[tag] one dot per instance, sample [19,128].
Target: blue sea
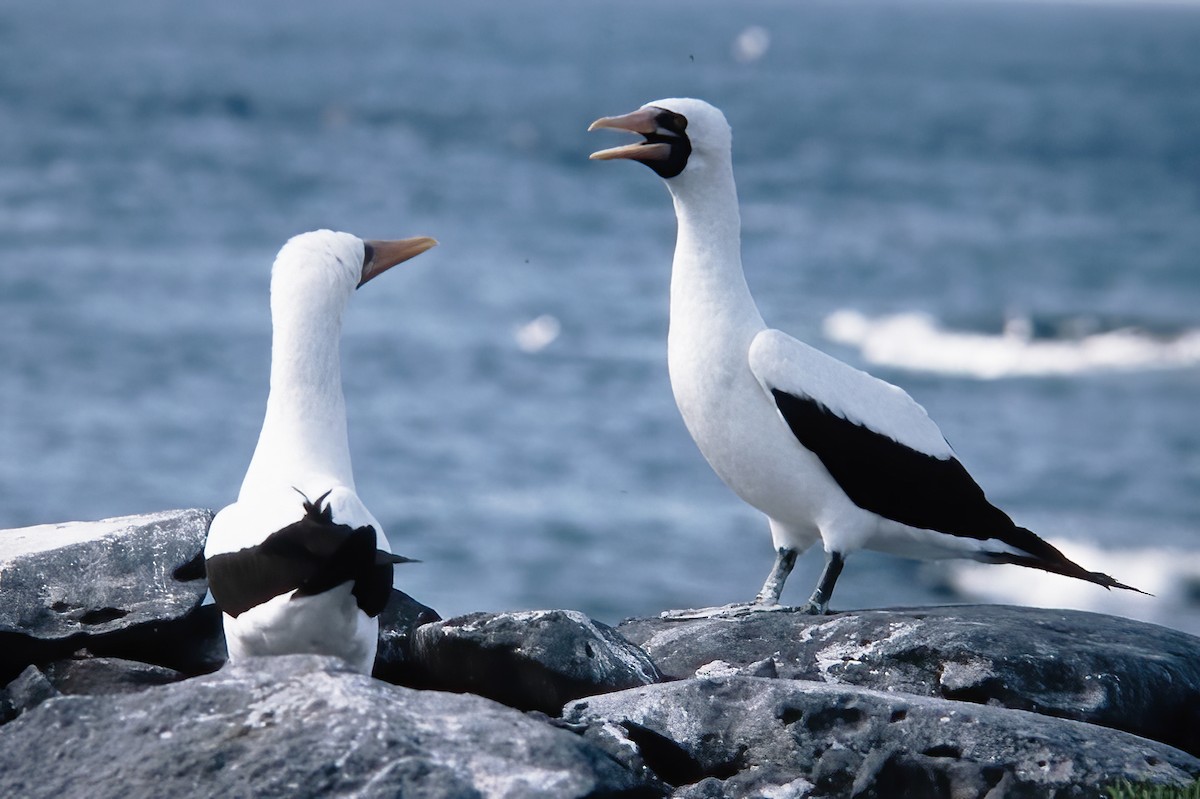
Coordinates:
[995,205]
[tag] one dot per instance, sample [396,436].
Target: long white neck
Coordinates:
[710,301]
[303,442]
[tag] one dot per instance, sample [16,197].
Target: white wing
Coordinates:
[782,363]
[249,521]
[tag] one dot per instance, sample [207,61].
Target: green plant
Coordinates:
[1128,790]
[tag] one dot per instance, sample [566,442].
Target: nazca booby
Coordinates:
[826,451]
[298,564]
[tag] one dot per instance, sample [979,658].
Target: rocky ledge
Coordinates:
[115,687]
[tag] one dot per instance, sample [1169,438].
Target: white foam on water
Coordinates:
[751,44]
[1171,575]
[537,334]
[918,342]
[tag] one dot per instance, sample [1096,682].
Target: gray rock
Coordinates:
[27,691]
[65,585]
[1128,675]
[400,618]
[297,727]
[93,675]
[79,675]
[751,736]
[530,660]
[96,577]
[194,644]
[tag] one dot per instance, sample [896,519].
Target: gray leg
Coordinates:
[767,599]
[818,603]
[785,559]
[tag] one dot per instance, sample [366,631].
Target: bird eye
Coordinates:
[669,122]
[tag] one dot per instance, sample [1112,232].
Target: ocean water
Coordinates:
[994,205]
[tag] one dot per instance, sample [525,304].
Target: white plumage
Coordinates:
[780,361]
[826,451]
[284,563]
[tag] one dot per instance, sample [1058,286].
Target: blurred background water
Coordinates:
[995,205]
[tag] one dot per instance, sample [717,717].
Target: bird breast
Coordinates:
[738,429]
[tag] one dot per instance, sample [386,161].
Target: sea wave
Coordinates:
[1171,578]
[1022,348]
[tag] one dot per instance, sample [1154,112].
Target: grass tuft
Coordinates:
[1127,790]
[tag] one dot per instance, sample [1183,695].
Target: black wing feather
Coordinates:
[310,556]
[883,476]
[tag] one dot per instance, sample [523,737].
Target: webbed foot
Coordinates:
[812,608]
[733,611]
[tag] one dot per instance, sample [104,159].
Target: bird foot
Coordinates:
[732,611]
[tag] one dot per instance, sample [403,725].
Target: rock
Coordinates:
[297,726]
[93,675]
[97,577]
[401,616]
[63,586]
[27,691]
[752,736]
[1128,675]
[194,644]
[531,660]
[82,674]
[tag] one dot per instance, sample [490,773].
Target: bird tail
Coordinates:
[1045,556]
[386,558]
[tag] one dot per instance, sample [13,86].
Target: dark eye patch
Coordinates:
[368,253]
[670,121]
[671,127]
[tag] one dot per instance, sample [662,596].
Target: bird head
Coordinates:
[320,269]
[341,262]
[679,135]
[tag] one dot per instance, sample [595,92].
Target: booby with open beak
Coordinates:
[827,452]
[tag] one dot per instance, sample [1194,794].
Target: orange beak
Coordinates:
[644,122]
[380,256]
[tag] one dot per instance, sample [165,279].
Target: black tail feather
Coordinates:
[1045,556]
[382,558]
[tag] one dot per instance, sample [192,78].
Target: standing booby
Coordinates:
[824,450]
[298,564]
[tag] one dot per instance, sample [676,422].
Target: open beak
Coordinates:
[380,256]
[643,121]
